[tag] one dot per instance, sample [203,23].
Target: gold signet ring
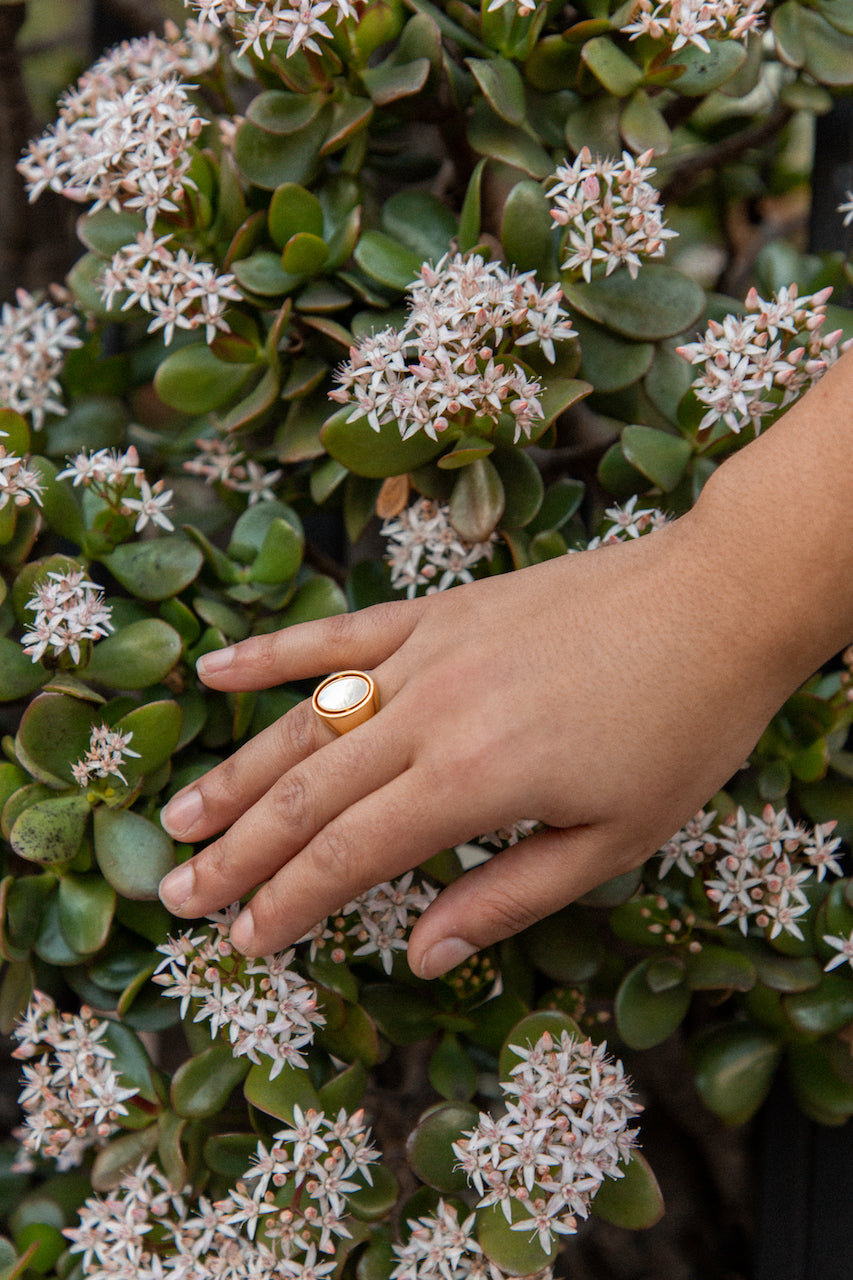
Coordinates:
[345,699]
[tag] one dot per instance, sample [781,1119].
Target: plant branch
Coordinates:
[688,172]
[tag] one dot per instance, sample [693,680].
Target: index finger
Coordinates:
[347,640]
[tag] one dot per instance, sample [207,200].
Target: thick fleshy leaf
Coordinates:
[59,506]
[522,484]
[284,113]
[643,125]
[469,218]
[304,254]
[194,381]
[390,81]
[615,70]
[370,1203]
[108,230]
[19,675]
[825,1008]
[386,260]
[526,232]
[818,1089]
[645,1017]
[291,1088]
[733,1067]
[52,736]
[429,1147]
[515,1252]
[420,221]
[318,597]
[594,123]
[719,969]
[660,303]
[133,853]
[86,906]
[356,1040]
[294,210]
[50,831]
[202,1085]
[451,1071]
[633,1201]
[704,70]
[375,454]
[491,136]
[477,502]
[565,946]
[346,1089]
[404,1016]
[608,361]
[230,1154]
[660,456]
[466,450]
[156,729]
[120,1155]
[280,555]
[502,87]
[138,655]
[156,568]
[262,273]
[250,531]
[270,159]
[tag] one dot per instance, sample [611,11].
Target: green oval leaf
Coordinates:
[156,568]
[271,159]
[430,1145]
[703,70]
[662,457]
[491,136]
[375,454]
[86,906]
[133,853]
[138,655]
[477,502]
[52,736]
[515,1252]
[734,1067]
[645,1017]
[387,261]
[50,831]
[194,381]
[633,1201]
[202,1085]
[660,303]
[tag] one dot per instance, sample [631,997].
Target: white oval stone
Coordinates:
[342,694]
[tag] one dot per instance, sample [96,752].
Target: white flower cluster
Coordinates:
[190,52]
[568,1108]
[449,362]
[265,1006]
[692,21]
[108,750]
[71,1095]
[259,23]
[524,7]
[149,1230]
[422,543]
[440,1247]
[34,337]
[625,522]
[378,921]
[19,484]
[761,865]
[756,364]
[612,213]
[176,290]
[114,476]
[122,144]
[69,609]
[218,462]
[321,1157]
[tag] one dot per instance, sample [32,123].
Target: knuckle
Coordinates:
[292,799]
[296,733]
[508,914]
[332,855]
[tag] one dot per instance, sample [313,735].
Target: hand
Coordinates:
[608,694]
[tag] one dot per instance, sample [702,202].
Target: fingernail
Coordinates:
[177,886]
[182,812]
[445,955]
[216,660]
[243,930]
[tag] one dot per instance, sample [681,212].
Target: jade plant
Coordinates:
[377,298]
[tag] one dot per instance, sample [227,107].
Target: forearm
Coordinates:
[775,522]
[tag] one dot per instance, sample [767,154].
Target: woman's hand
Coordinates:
[608,694]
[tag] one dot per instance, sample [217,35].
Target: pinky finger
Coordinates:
[512,891]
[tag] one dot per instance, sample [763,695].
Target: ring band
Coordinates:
[345,699]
